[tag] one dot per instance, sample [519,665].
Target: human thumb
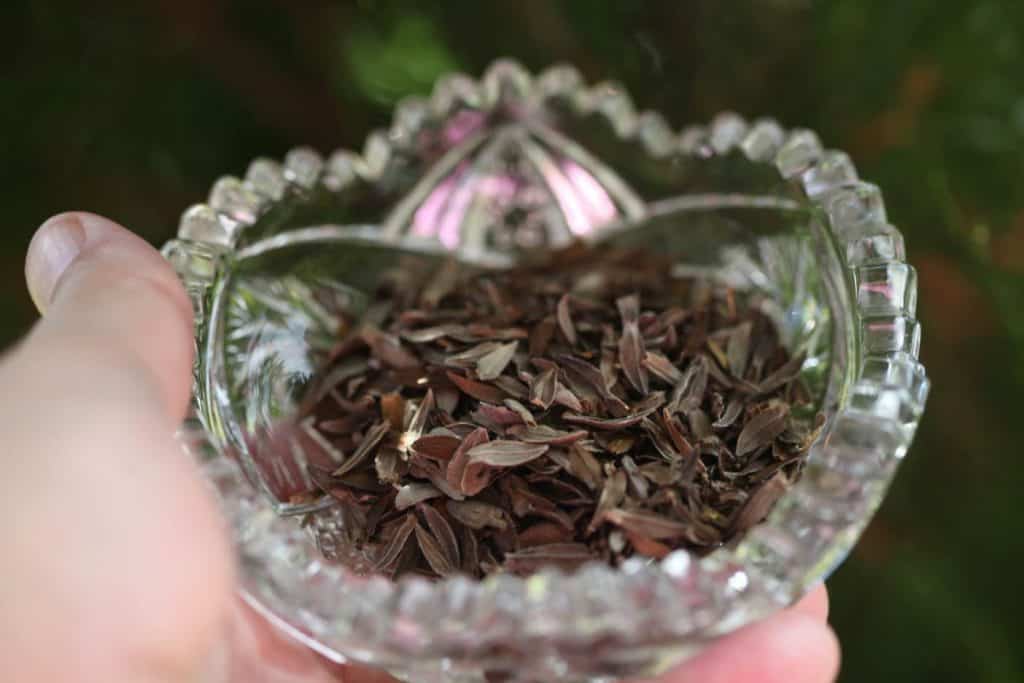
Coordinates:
[116,565]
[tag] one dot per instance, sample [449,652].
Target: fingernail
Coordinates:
[55,246]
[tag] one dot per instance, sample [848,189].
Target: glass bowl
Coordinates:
[487,170]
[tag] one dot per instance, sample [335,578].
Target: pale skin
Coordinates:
[116,567]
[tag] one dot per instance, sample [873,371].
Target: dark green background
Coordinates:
[134,112]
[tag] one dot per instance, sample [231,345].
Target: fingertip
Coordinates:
[791,647]
[110,300]
[835,657]
[814,647]
[815,603]
[97,237]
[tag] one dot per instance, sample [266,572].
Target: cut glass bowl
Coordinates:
[485,169]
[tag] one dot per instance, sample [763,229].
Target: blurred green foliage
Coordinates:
[404,59]
[132,111]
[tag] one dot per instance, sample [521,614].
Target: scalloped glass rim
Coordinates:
[652,613]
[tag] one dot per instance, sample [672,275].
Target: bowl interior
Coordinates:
[273,317]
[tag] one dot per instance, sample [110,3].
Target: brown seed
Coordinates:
[565,320]
[380,507]
[392,406]
[442,531]
[471,356]
[433,553]
[760,503]
[700,423]
[609,424]
[387,466]
[647,546]
[612,495]
[504,334]
[435,446]
[364,481]
[528,502]
[580,463]
[346,369]
[478,515]
[762,429]
[659,473]
[662,368]
[327,483]
[415,493]
[429,334]
[513,387]
[388,350]
[500,416]
[564,555]
[460,459]
[674,430]
[591,376]
[544,434]
[637,483]
[620,445]
[657,527]
[541,335]
[477,390]
[348,425]
[565,398]
[729,417]
[544,533]
[607,363]
[738,350]
[476,477]
[370,441]
[543,388]
[495,362]
[319,443]
[391,551]
[718,353]
[522,411]
[417,421]
[689,392]
[785,374]
[631,344]
[446,399]
[439,478]
[470,547]
[643,409]
[505,453]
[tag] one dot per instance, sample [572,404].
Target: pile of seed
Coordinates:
[593,405]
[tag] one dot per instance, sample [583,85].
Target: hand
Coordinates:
[116,566]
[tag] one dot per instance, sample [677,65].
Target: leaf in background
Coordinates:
[405,57]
